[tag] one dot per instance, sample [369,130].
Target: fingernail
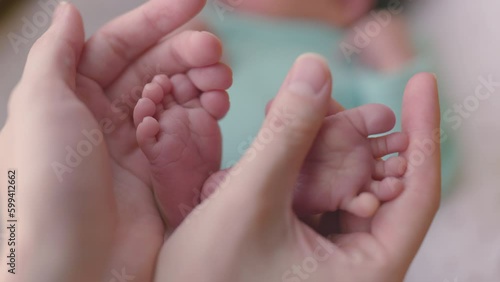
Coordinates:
[61,8]
[310,75]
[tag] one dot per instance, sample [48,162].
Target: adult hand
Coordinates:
[85,206]
[247,231]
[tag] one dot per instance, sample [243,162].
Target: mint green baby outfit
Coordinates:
[261,51]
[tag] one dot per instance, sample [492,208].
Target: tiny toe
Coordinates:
[146,135]
[145,107]
[387,189]
[389,144]
[364,205]
[164,81]
[216,103]
[393,167]
[153,91]
[216,77]
[183,89]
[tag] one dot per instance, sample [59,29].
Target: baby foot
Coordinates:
[177,130]
[343,169]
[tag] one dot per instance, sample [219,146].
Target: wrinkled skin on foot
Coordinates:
[178,132]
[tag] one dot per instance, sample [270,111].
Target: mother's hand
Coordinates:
[98,217]
[247,231]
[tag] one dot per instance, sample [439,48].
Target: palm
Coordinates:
[140,226]
[115,65]
[119,129]
[349,255]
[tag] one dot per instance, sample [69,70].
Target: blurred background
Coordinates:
[464,242]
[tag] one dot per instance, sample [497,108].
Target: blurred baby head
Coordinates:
[354,10]
[341,13]
[347,12]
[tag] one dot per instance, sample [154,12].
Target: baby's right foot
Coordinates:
[177,130]
[344,169]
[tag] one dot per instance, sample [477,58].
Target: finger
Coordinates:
[57,52]
[334,107]
[410,215]
[213,183]
[385,145]
[393,167]
[371,119]
[178,54]
[268,106]
[124,39]
[271,165]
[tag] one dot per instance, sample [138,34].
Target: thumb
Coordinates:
[410,215]
[56,53]
[272,163]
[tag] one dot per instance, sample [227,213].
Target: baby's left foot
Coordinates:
[177,130]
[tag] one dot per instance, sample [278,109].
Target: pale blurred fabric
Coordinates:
[464,242]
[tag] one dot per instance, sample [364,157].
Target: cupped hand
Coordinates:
[247,230]
[87,210]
